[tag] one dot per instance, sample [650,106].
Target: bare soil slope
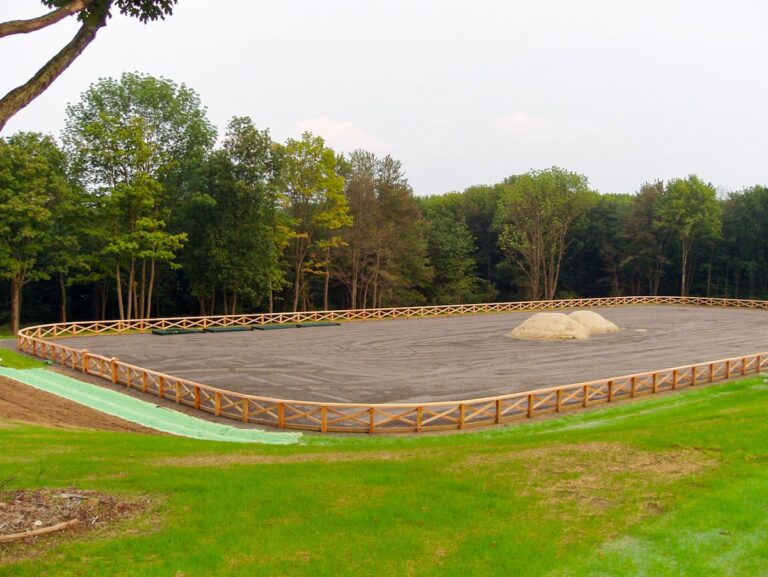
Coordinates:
[20,402]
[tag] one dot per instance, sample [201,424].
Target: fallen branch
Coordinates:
[37,532]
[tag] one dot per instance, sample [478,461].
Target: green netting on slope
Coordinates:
[142,412]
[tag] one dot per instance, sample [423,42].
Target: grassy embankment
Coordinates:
[670,486]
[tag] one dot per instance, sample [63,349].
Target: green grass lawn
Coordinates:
[670,486]
[14,360]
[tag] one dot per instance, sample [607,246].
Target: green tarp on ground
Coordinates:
[229,329]
[273,327]
[176,331]
[141,412]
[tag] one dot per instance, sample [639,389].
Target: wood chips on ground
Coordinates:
[26,510]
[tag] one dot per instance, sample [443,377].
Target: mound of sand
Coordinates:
[593,322]
[549,327]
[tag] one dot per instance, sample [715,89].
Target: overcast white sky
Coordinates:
[463,92]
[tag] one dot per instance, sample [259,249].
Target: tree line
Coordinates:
[137,211]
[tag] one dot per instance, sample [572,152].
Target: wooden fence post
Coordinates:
[323,419]
[419,414]
[559,404]
[281,415]
[461,415]
[113,368]
[84,361]
[497,419]
[371,419]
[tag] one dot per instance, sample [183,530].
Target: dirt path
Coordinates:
[414,360]
[22,403]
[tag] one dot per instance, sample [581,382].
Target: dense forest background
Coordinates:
[139,210]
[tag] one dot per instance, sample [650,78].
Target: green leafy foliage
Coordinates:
[535,216]
[34,192]
[143,10]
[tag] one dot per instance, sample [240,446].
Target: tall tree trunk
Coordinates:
[16,284]
[63,296]
[150,289]
[327,277]
[686,250]
[119,290]
[298,261]
[355,278]
[271,298]
[375,299]
[142,304]
[104,288]
[131,288]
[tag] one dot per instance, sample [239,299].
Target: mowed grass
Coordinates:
[14,360]
[670,486]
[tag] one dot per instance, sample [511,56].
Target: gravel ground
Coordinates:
[437,358]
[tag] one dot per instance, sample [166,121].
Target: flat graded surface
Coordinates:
[429,359]
[22,403]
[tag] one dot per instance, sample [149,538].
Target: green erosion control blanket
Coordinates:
[142,412]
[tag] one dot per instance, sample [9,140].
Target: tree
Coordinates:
[535,214]
[646,246]
[314,201]
[594,262]
[65,257]
[93,15]
[451,250]
[477,208]
[33,182]
[132,142]
[383,258]
[236,236]
[688,211]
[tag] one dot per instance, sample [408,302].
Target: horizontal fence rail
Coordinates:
[383,417]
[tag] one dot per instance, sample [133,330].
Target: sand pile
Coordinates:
[593,322]
[549,327]
[559,327]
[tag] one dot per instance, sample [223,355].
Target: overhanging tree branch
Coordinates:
[19,97]
[33,24]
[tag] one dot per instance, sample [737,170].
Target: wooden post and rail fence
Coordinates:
[383,417]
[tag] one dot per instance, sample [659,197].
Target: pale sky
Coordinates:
[463,92]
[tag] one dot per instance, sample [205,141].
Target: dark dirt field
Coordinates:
[437,358]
